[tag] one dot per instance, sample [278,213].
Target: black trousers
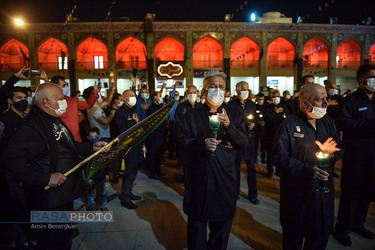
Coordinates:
[217,239]
[127,183]
[172,141]
[155,149]
[251,177]
[259,139]
[352,210]
[294,241]
[59,239]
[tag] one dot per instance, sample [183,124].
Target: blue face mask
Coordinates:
[144,96]
[176,98]
[160,100]
[198,99]
[93,140]
[29,100]
[80,98]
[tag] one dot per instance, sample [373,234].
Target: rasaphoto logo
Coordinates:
[71,216]
[170,69]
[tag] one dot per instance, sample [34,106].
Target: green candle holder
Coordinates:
[324,160]
[214,127]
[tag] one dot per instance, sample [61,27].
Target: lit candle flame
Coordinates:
[322,155]
[250,117]
[258,111]
[260,115]
[214,118]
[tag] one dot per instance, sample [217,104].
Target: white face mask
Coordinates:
[132,101]
[276,100]
[63,105]
[244,94]
[160,101]
[226,99]
[332,92]
[100,98]
[317,112]
[120,104]
[192,97]
[203,101]
[370,84]
[66,91]
[287,97]
[215,96]
[260,102]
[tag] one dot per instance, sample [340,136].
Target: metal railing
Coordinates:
[13,66]
[315,64]
[245,64]
[280,64]
[91,65]
[204,64]
[348,65]
[51,66]
[131,64]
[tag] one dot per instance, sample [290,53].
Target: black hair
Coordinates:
[364,70]
[305,77]
[75,93]
[87,92]
[260,94]
[153,95]
[94,130]
[17,89]
[114,98]
[56,79]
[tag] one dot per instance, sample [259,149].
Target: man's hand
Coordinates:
[21,73]
[133,79]
[90,182]
[320,174]
[332,103]
[135,117]
[223,117]
[211,144]
[329,146]
[112,112]
[107,178]
[262,123]
[112,90]
[99,144]
[279,110]
[144,106]
[251,126]
[43,75]
[96,88]
[56,179]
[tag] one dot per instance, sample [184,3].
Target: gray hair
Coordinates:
[214,74]
[275,92]
[238,85]
[307,89]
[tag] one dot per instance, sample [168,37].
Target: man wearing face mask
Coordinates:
[125,118]
[156,141]
[259,128]
[335,102]
[274,114]
[227,96]
[306,212]
[70,117]
[172,129]
[288,102]
[358,165]
[210,173]
[39,152]
[246,107]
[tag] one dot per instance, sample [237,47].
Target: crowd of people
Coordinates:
[47,130]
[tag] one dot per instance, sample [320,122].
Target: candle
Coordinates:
[284,116]
[324,160]
[261,117]
[214,124]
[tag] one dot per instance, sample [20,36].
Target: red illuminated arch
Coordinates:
[11,56]
[372,54]
[92,54]
[315,54]
[244,54]
[207,53]
[131,53]
[51,54]
[169,49]
[280,54]
[348,54]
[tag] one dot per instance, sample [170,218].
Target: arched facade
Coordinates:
[372,54]
[207,53]
[92,54]
[315,54]
[281,54]
[244,54]
[348,54]
[53,55]
[169,49]
[13,56]
[131,53]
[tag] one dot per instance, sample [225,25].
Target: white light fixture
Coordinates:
[253,17]
[19,22]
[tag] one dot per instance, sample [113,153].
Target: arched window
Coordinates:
[13,56]
[207,53]
[315,54]
[348,54]
[169,49]
[280,54]
[92,54]
[244,54]
[53,55]
[372,54]
[131,53]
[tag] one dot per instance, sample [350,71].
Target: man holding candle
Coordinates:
[248,109]
[305,210]
[210,174]
[358,165]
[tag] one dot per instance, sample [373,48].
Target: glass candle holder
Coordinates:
[324,160]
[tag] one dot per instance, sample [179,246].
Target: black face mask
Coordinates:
[20,105]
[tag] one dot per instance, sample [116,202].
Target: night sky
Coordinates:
[313,11]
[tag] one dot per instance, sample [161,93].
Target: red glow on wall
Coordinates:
[169,49]
[131,53]
[92,54]
[281,54]
[207,53]
[244,54]
[11,56]
[51,55]
[372,54]
[348,54]
[315,54]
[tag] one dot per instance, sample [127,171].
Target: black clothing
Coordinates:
[43,145]
[247,153]
[11,121]
[358,165]
[259,133]
[289,104]
[8,85]
[305,211]
[210,181]
[334,111]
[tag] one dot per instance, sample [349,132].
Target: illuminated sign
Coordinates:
[170,70]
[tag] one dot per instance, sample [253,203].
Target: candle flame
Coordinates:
[250,117]
[322,155]
[214,118]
